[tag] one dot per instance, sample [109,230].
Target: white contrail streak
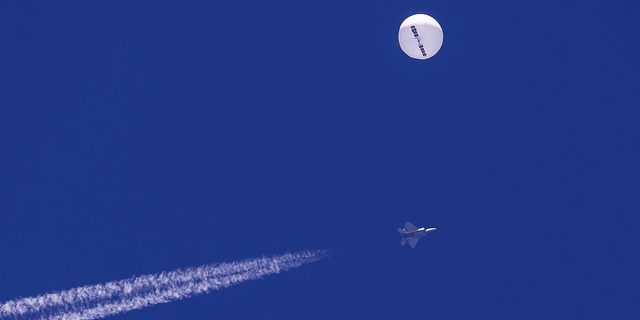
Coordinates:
[102,300]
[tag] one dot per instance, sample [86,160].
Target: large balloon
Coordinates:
[420,36]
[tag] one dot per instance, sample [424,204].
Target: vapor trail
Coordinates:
[102,300]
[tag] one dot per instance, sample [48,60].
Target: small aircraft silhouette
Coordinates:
[412,234]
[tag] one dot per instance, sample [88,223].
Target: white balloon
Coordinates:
[420,36]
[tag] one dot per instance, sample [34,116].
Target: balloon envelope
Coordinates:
[420,36]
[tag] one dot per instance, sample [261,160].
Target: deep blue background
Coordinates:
[148,136]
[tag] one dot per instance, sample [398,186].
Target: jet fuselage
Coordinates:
[411,234]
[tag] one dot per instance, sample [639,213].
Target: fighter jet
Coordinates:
[412,234]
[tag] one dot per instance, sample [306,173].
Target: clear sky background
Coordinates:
[142,136]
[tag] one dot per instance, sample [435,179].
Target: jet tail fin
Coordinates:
[400,230]
[403,242]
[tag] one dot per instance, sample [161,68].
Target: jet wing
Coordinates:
[412,242]
[409,226]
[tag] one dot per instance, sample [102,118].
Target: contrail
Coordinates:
[102,300]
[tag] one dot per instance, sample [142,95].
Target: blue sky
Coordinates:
[148,136]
